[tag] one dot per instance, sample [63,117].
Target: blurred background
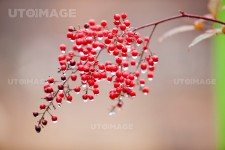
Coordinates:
[174,116]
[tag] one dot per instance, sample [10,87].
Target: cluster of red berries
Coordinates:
[81,64]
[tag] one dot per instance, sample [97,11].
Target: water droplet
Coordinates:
[112,113]
[54,121]
[124,58]
[125,68]
[134,57]
[100,38]
[150,79]
[144,71]
[142,85]
[69,102]
[63,52]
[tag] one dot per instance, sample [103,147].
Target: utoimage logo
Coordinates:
[42,13]
[110,126]
[194,81]
[26,81]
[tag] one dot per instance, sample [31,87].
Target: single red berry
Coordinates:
[59,99]
[50,80]
[60,87]
[42,106]
[132,62]
[143,66]
[49,97]
[73,77]
[145,90]
[96,91]
[119,104]
[155,58]
[44,122]
[86,26]
[69,98]
[123,27]
[150,75]
[77,89]
[61,94]
[35,114]
[103,23]
[37,128]
[54,119]
[123,15]
[117,17]
[127,23]
[62,47]
[132,93]
[142,82]
[63,78]
[71,28]
[85,96]
[48,90]
[91,22]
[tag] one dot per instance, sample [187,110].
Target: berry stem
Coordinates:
[182,15]
[55,94]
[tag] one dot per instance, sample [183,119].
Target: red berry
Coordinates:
[91,22]
[123,27]
[73,77]
[62,47]
[143,66]
[96,91]
[44,122]
[42,106]
[155,58]
[119,104]
[77,89]
[69,98]
[37,128]
[145,90]
[123,15]
[103,23]
[60,87]
[127,23]
[35,114]
[61,95]
[59,99]
[54,118]
[117,17]
[50,80]
[150,75]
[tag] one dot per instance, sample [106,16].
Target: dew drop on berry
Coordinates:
[134,57]
[150,79]
[125,68]
[69,101]
[143,71]
[112,113]
[85,100]
[55,121]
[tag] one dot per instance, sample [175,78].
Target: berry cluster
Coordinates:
[133,63]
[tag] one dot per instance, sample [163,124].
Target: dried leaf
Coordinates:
[206,35]
[213,7]
[176,30]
